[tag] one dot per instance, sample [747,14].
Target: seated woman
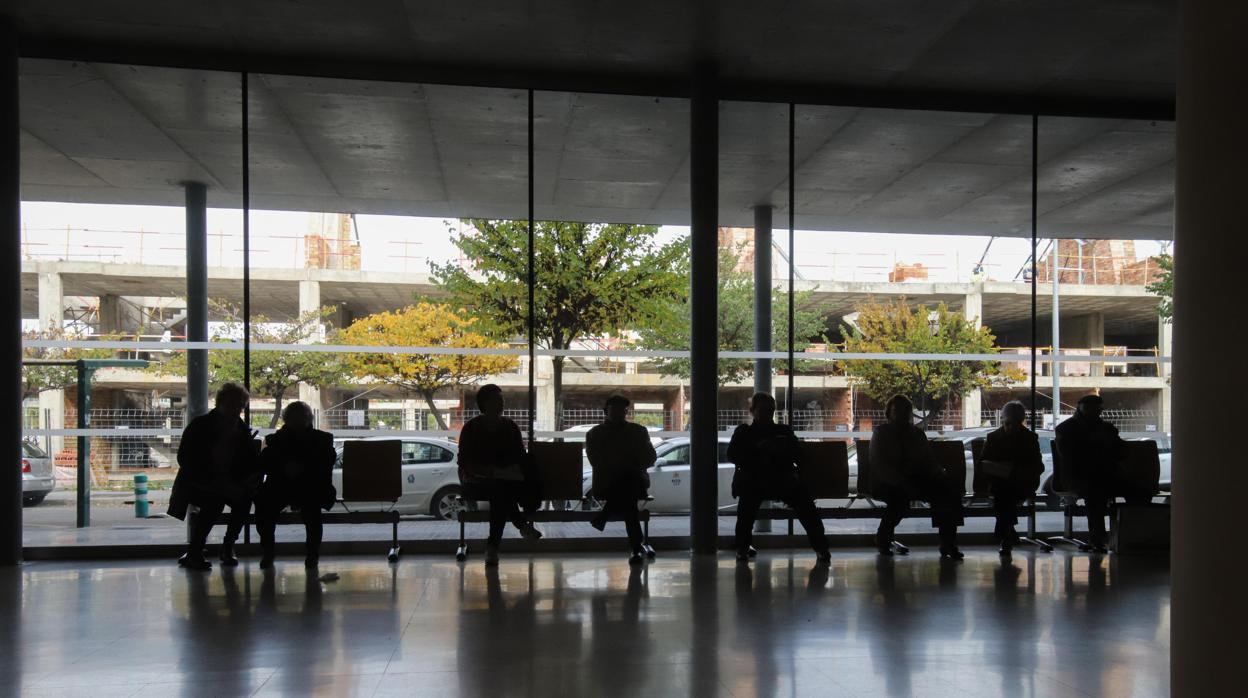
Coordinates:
[298,464]
[1011,460]
[766,454]
[620,452]
[494,467]
[903,469]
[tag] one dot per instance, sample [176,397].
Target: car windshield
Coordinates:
[32,451]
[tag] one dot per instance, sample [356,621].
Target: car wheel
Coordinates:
[33,500]
[446,504]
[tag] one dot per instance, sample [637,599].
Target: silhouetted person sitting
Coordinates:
[217,466]
[1090,450]
[903,470]
[620,452]
[766,455]
[298,464]
[1012,463]
[494,467]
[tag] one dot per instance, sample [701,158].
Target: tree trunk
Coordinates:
[437,416]
[556,378]
[277,409]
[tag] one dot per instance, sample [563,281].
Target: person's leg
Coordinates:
[896,502]
[945,497]
[502,507]
[233,529]
[804,507]
[210,509]
[1005,505]
[313,531]
[1096,499]
[627,507]
[747,511]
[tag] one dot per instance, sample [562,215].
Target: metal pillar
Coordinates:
[196,297]
[82,517]
[762,296]
[704,295]
[11,276]
[1056,366]
[1207,590]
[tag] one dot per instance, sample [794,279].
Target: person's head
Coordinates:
[231,399]
[762,407]
[899,410]
[297,415]
[1013,414]
[1090,406]
[616,408]
[490,399]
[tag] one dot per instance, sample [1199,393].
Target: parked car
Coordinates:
[38,480]
[430,478]
[669,478]
[584,428]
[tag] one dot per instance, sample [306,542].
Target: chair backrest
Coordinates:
[824,469]
[1059,471]
[979,483]
[1141,467]
[559,467]
[951,456]
[372,471]
[863,485]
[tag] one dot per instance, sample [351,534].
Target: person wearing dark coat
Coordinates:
[494,467]
[903,469]
[766,456]
[217,467]
[1091,450]
[619,453]
[1011,459]
[298,463]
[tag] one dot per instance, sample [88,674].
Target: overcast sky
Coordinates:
[154,235]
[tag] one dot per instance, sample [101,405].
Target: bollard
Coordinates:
[140,496]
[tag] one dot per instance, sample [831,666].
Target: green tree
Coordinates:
[672,326]
[39,379]
[273,373]
[1164,286]
[895,327]
[422,325]
[591,278]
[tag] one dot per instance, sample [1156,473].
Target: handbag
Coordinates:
[1001,470]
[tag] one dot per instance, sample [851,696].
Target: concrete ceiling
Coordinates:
[96,132]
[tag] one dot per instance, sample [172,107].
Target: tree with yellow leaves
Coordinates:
[422,325]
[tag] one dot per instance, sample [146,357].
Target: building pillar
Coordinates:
[1165,347]
[1207,590]
[544,377]
[11,268]
[310,301]
[762,297]
[51,321]
[704,296]
[973,400]
[196,297]
[108,315]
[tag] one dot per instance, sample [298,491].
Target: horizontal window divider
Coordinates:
[258,346]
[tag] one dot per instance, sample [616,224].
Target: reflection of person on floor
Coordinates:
[494,467]
[766,455]
[903,469]
[298,463]
[620,452]
[1011,460]
[1091,449]
[216,467]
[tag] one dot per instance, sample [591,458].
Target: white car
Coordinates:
[584,428]
[430,479]
[669,478]
[37,478]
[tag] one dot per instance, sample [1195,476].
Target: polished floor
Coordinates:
[1066,624]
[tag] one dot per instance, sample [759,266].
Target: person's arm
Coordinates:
[1033,460]
[516,455]
[646,449]
[740,451]
[594,448]
[469,457]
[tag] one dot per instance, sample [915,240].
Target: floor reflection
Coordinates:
[1033,624]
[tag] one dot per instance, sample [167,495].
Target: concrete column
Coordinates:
[1165,345]
[762,296]
[310,300]
[196,297]
[544,387]
[1207,596]
[11,277]
[52,319]
[109,315]
[704,297]
[973,401]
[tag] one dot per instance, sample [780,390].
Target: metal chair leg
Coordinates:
[461,553]
[1068,538]
[900,549]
